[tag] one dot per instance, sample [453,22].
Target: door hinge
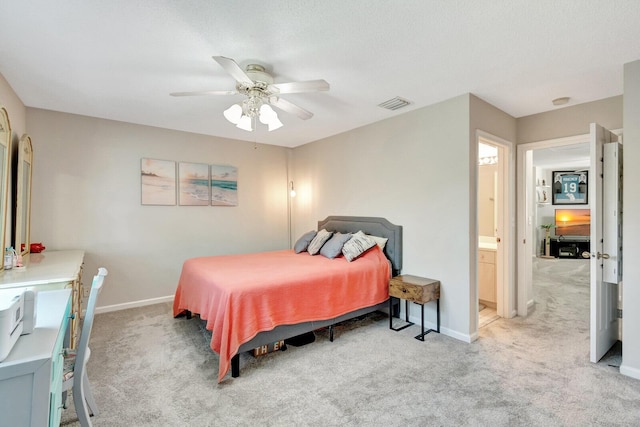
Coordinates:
[619,313]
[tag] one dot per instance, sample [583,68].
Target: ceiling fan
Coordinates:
[261,92]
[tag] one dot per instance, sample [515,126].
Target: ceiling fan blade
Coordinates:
[205,92]
[234,69]
[290,107]
[298,87]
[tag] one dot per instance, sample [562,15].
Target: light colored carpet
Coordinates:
[149,369]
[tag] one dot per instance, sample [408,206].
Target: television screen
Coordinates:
[573,222]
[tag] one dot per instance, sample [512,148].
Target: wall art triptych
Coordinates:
[166,182]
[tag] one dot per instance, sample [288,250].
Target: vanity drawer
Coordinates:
[487,256]
[57,370]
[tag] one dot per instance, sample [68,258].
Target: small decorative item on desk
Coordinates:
[8,258]
[36,248]
[19,266]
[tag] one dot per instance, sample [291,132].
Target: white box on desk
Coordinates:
[11,319]
[30,310]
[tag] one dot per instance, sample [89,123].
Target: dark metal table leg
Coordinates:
[406,316]
[421,336]
[438,313]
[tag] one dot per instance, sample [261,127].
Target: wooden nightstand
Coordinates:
[418,290]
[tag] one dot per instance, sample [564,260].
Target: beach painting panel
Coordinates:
[194,184]
[158,182]
[224,185]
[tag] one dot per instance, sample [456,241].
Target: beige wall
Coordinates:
[413,169]
[570,121]
[631,228]
[14,106]
[86,195]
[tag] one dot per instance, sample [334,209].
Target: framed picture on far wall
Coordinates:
[193,184]
[570,187]
[224,185]
[158,182]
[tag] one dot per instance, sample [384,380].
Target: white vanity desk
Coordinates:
[51,270]
[31,375]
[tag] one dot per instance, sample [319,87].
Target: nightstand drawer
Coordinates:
[415,289]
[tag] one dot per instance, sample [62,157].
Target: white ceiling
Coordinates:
[120,59]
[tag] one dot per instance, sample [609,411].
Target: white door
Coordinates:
[604,295]
[526,237]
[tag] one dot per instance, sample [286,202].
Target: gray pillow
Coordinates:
[317,242]
[357,245]
[334,245]
[304,240]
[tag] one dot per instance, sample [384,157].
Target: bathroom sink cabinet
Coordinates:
[487,277]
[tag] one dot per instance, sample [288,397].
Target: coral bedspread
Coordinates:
[242,295]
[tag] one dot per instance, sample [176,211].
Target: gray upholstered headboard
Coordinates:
[374,226]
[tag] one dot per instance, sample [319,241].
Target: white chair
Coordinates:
[75,373]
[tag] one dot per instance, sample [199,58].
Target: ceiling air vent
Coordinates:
[394,103]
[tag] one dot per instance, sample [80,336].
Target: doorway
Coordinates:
[495,219]
[534,211]
[532,183]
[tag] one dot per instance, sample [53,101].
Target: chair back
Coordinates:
[87,325]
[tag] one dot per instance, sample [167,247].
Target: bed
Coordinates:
[252,300]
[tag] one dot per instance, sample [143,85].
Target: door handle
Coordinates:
[603,256]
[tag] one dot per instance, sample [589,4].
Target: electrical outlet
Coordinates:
[86,291]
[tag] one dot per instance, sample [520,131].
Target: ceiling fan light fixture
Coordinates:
[267,114]
[258,86]
[275,123]
[233,113]
[269,117]
[245,123]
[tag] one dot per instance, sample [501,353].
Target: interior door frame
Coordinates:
[505,258]
[525,206]
[525,233]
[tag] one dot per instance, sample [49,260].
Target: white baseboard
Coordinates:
[444,331]
[134,304]
[630,372]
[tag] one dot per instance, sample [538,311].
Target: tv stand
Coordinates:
[570,247]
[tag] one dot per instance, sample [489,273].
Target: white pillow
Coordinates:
[380,241]
[357,245]
[317,242]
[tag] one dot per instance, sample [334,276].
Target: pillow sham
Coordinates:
[303,242]
[319,240]
[357,245]
[334,245]
[380,241]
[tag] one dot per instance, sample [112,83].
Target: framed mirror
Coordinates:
[23,194]
[5,161]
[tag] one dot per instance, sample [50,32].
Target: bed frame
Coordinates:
[343,224]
